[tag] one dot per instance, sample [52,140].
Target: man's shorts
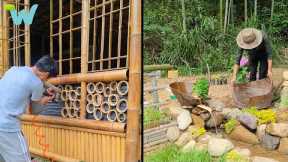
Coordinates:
[13,147]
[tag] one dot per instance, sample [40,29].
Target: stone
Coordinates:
[240,133]
[248,120]
[173,134]
[278,129]
[184,120]
[201,146]
[270,142]
[215,120]
[189,146]
[205,116]
[283,147]
[261,130]
[197,121]
[218,146]
[282,116]
[233,114]
[243,151]
[204,139]
[184,139]
[191,129]
[263,159]
[285,75]
[216,104]
[175,111]
[284,98]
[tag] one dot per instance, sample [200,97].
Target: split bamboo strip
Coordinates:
[72,95]
[64,112]
[60,37]
[64,96]
[122,88]
[5,38]
[97,114]
[68,104]
[132,149]
[78,91]
[97,99]
[113,99]
[90,77]
[121,117]
[100,87]
[90,108]
[122,105]
[89,124]
[76,104]
[91,88]
[70,112]
[113,85]
[107,92]
[89,98]
[27,37]
[68,87]
[105,107]
[112,115]
[60,87]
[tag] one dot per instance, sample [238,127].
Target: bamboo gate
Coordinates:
[107,55]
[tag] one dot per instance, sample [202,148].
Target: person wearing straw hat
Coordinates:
[259,50]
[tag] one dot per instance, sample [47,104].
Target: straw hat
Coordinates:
[249,38]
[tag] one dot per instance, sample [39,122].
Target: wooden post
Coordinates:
[134,95]
[84,54]
[27,37]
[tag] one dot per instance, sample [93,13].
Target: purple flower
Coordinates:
[243,61]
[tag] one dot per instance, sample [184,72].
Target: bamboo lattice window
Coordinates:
[108,36]
[16,39]
[65,35]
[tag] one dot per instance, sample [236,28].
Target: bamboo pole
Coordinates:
[226,15]
[97,114]
[64,95]
[76,104]
[110,33]
[64,112]
[119,34]
[73,95]
[94,37]
[107,92]
[89,98]
[272,11]
[5,38]
[68,87]
[255,9]
[91,87]
[60,38]
[98,99]
[89,77]
[51,28]
[183,16]
[90,108]
[122,105]
[105,107]
[1,38]
[100,87]
[27,37]
[113,99]
[112,115]
[97,125]
[102,37]
[132,148]
[71,37]
[122,88]
[121,117]
[113,85]
[221,14]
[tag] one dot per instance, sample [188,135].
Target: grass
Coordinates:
[201,88]
[172,153]
[153,115]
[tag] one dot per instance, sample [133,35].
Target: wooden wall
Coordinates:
[64,143]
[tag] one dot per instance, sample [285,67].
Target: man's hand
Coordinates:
[269,74]
[45,99]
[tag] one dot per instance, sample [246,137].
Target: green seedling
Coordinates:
[201,88]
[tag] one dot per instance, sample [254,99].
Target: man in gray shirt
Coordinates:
[20,86]
[259,50]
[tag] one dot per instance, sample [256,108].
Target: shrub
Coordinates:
[201,88]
